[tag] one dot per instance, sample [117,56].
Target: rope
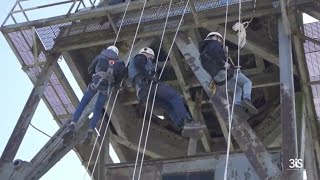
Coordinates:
[96,140]
[106,107]
[134,39]
[156,88]
[147,102]
[230,118]
[39,130]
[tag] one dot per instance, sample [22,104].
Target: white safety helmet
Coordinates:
[147,50]
[214,34]
[114,49]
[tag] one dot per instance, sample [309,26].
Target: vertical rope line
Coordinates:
[108,122]
[96,140]
[148,97]
[154,96]
[134,39]
[233,101]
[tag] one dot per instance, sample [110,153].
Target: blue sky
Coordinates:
[14,92]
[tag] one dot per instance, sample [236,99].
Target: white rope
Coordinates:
[230,115]
[147,102]
[156,88]
[96,140]
[124,15]
[111,112]
[109,97]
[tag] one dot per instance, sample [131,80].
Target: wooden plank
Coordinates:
[256,153]
[28,111]
[177,66]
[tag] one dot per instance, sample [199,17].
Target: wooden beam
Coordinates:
[134,146]
[101,37]
[55,148]
[303,74]
[310,157]
[269,129]
[120,8]
[178,68]
[287,100]
[194,13]
[74,70]
[267,53]
[28,111]
[257,155]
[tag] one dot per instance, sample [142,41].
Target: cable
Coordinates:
[134,39]
[39,130]
[233,101]
[96,140]
[149,91]
[109,97]
[154,96]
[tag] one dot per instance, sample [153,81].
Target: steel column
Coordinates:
[29,109]
[287,100]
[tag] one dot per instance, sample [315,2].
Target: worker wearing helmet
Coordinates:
[107,71]
[214,60]
[141,72]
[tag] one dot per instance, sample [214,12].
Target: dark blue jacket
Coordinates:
[140,66]
[101,63]
[213,58]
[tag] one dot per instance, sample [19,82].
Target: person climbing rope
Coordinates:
[141,72]
[107,71]
[214,60]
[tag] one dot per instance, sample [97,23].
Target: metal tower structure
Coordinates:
[281,57]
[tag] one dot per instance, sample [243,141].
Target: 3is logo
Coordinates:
[296,163]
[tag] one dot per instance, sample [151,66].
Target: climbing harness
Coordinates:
[104,76]
[116,96]
[145,112]
[155,91]
[109,97]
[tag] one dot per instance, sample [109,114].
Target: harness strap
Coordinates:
[108,75]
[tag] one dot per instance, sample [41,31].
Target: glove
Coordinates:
[154,79]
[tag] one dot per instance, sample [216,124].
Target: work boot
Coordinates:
[88,138]
[69,131]
[191,127]
[246,103]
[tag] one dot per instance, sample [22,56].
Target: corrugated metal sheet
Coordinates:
[312,51]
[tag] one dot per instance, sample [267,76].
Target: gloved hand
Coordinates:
[154,79]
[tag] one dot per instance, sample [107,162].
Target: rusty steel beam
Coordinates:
[249,143]
[29,109]
[287,100]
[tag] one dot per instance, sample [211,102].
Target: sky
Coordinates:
[14,92]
